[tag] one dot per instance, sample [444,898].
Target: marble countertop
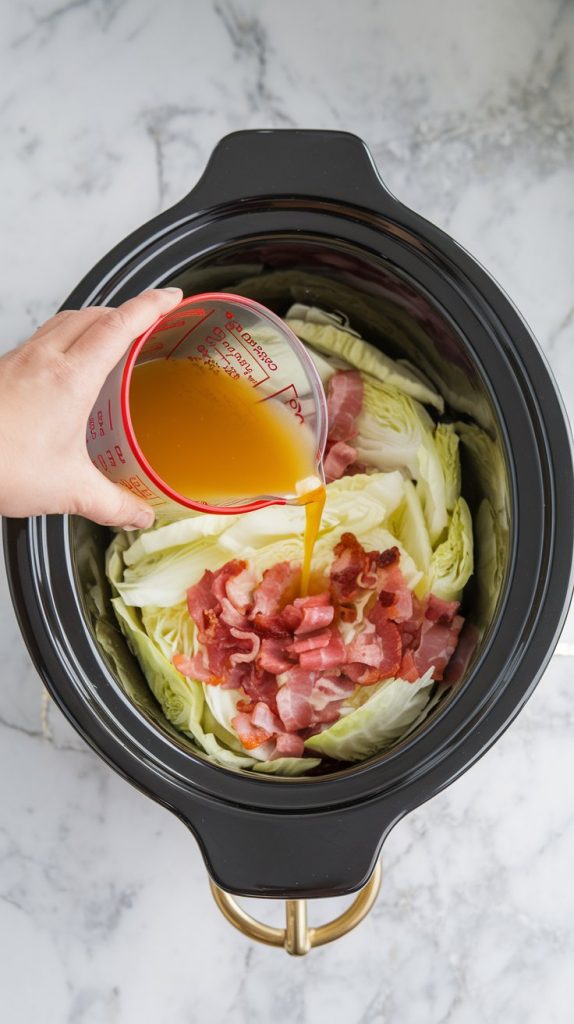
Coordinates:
[108,112]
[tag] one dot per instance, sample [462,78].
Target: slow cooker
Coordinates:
[288,216]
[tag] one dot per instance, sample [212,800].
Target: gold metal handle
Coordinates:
[297,938]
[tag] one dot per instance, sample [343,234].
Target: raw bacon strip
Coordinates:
[315,617]
[231,616]
[250,735]
[272,656]
[437,645]
[222,577]
[344,403]
[239,590]
[245,655]
[350,561]
[441,611]
[367,648]
[460,660]
[313,601]
[200,598]
[263,718]
[408,669]
[194,668]
[309,643]
[338,459]
[277,585]
[294,707]
[363,675]
[260,686]
[289,745]
[325,657]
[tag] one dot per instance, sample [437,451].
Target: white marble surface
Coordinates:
[108,111]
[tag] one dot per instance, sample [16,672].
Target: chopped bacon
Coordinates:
[231,616]
[294,707]
[441,611]
[239,589]
[408,669]
[323,658]
[224,575]
[344,403]
[315,617]
[289,745]
[195,667]
[287,656]
[200,598]
[247,654]
[263,718]
[349,563]
[277,585]
[338,459]
[460,660]
[310,643]
[250,735]
[272,656]
[437,645]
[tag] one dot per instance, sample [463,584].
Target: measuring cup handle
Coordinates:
[290,163]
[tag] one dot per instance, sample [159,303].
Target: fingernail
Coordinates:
[141,520]
[172,291]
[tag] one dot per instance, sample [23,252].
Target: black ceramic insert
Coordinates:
[303,215]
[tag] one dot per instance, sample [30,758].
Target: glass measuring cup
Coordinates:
[240,338]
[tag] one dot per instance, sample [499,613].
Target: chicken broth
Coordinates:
[212,438]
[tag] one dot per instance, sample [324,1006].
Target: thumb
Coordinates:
[113,505]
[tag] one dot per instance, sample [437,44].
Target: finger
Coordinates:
[112,505]
[63,329]
[105,342]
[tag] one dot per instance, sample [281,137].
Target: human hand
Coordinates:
[48,387]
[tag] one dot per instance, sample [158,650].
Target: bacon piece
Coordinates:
[310,643]
[344,403]
[408,669]
[367,648]
[239,589]
[235,677]
[337,461]
[315,617]
[200,598]
[263,718]
[437,645]
[272,656]
[231,616]
[289,745]
[313,600]
[374,656]
[464,651]
[364,675]
[441,611]
[277,585]
[325,657]
[250,735]
[294,706]
[195,667]
[247,654]
[224,575]
[350,561]
[260,686]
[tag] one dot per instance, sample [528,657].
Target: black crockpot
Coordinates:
[304,215]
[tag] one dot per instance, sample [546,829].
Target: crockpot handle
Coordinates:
[291,855]
[325,165]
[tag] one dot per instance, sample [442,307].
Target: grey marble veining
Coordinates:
[108,112]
